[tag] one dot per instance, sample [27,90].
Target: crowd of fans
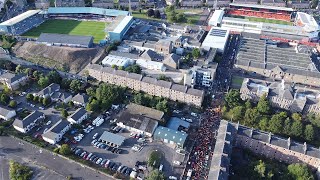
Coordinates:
[204,145]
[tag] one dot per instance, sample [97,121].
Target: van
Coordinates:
[160,168]
[189,174]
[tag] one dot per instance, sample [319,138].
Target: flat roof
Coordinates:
[112,138]
[64,39]
[117,60]
[216,17]
[19,18]
[261,6]
[122,24]
[216,38]
[308,21]
[86,10]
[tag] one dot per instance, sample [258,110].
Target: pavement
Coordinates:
[46,164]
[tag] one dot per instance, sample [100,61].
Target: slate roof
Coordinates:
[65,39]
[5,110]
[178,87]
[112,138]
[174,123]
[27,120]
[50,89]
[78,114]
[150,55]
[172,58]
[10,77]
[81,98]
[56,129]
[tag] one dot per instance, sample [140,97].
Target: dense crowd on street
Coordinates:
[204,145]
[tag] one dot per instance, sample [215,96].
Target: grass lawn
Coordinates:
[143,15]
[273,21]
[72,27]
[237,81]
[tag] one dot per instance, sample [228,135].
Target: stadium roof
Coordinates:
[310,24]
[216,17]
[19,18]
[86,10]
[262,6]
[119,24]
[65,39]
[216,38]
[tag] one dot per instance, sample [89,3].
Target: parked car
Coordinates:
[48,123]
[177,162]
[89,156]
[173,178]
[95,136]
[45,130]
[99,161]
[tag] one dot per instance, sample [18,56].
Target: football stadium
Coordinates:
[74,21]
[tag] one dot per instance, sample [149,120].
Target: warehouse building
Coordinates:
[216,38]
[170,136]
[119,27]
[140,119]
[111,139]
[65,40]
[118,61]
[78,11]
[216,18]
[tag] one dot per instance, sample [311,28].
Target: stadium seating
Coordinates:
[260,14]
[27,24]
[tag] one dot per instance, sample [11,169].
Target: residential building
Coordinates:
[78,116]
[26,124]
[48,91]
[42,4]
[140,119]
[80,99]
[163,47]
[191,3]
[13,81]
[69,3]
[261,143]
[170,136]
[152,86]
[285,96]
[125,3]
[172,61]
[7,113]
[61,97]
[56,132]
[103,4]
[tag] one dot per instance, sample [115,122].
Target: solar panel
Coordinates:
[218,32]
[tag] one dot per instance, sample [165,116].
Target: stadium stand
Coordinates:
[69,3]
[246,1]
[260,11]
[78,11]
[65,40]
[119,27]
[22,23]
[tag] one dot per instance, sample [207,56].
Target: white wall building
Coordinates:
[216,18]
[117,60]
[7,113]
[29,122]
[78,116]
[216,38]
[153,65]
[55,133]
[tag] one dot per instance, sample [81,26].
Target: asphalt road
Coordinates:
[60,168]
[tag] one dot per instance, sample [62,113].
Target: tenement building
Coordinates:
[281,95]
[260,143]
[277,61]
[152,86]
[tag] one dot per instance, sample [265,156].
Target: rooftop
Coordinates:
[86,10]
[119,23]
[171,135]
[262,7]
[78,114]
[19,18]
[112,138]
[28,119]
[65,39]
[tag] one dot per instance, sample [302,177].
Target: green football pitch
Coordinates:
[72,27]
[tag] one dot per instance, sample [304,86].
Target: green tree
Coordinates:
[150,12]
[65,83]
[299,172]
[260,168]
[276,122]
[120,68]
[154,159]
[169,9]
[297,129]
[19,69]
[13,103]
[237,113]
[251,117]
[35,99]
[309,133]
[138,98]
[157,14]
[36,74]
[248,104]
[296,117]
[43,81]
[156,175]
[70,104]
[264,124]
[172,17]
[162,106]
[54,77]
[114,66]
[233,98]
[65,149]
[19,172]
[314,119]
[263,105]
[93,105]
[91,92]
[75,85]
[46,101]
[196,53]
[64,113]
[287,126]
[4,99]
[181,17]
[164,78]
[28,71]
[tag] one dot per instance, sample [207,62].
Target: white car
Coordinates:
[45,130]
[95,136]
[81,135]
[193,114]
[32,105]
[173,178]
[41,108]
[177,162]
[48,123]
[188,120]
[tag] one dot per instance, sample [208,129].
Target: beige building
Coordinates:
[282,95]
[163,47]
[262,143]
[148,85]
[293,64]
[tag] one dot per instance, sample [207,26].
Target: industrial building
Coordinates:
[140,119]
[111,139]
[280,61]
[65,40]
[118,61]
[216,38]
[170,136]
[119,27]
[216,18]
[74,11]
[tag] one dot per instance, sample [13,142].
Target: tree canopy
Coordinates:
[156,175]
[19,172]
[263,105]
[233,98]
[300,172]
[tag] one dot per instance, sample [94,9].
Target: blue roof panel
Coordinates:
[86,10]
